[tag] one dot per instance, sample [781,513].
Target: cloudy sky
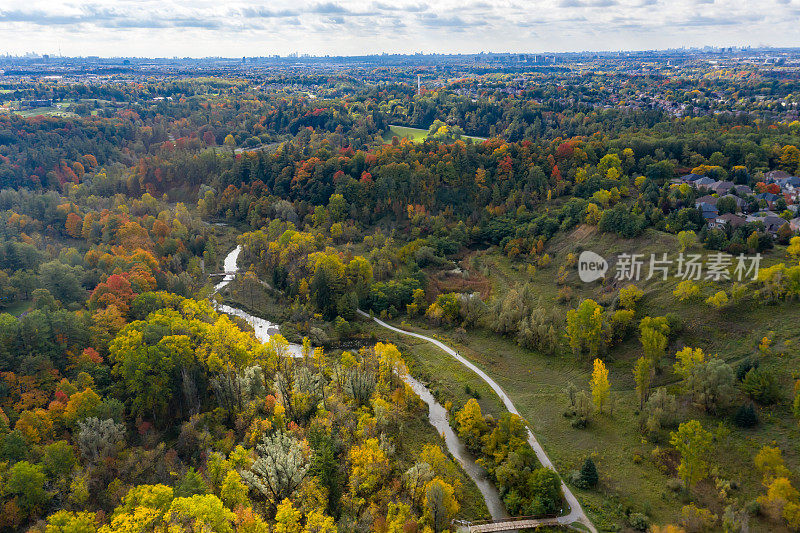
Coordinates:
[199,28]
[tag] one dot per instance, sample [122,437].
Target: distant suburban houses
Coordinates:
[774,205]
[728,218]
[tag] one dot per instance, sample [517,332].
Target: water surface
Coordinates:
[437,414]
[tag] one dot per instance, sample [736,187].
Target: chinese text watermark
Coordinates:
[716,266]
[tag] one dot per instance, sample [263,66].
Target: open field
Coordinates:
[417,134]
[52,111]
[19,308]
[631,481]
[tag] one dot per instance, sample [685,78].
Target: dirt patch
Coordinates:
[666,460]
[444,282]
[582,231]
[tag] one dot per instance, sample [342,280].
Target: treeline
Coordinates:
[46,152]
[259,438]
[105,360]
[484,180]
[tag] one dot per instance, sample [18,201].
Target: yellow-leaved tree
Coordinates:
[471,425]
[653,333]
[793,250]
[585,327]
[687,360]
[601,388]
[628,296]
[370,467]
[686,290]
[718,300]
[693,443]
[440,504]
[287,518]
[643,376]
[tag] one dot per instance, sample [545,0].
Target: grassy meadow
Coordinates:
[416,135]
[631,480]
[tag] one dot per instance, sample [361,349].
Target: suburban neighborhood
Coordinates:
[723,203]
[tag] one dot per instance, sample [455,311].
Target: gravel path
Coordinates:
[576,513]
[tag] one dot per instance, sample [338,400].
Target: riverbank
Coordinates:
[576,513]
[437,414]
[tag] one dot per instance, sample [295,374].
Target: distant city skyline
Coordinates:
[203,28]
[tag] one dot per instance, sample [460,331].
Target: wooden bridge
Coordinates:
[222,274]
[508,524]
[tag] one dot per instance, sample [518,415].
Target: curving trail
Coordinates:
[576,513]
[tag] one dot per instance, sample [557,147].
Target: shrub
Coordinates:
[589,477]
[686,290]
[675,484]
[696,519]
[753,507]
[746,416]
[628,296]
[745,367]
[762,386]
[639,521]
[319,337]
[97,439]
[719,300]
[579,422]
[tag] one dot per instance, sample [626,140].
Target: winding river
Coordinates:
[262,328]
[437,414]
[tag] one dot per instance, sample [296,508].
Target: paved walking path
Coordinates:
[576,513]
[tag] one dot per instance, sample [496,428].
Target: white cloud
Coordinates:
[213,28]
